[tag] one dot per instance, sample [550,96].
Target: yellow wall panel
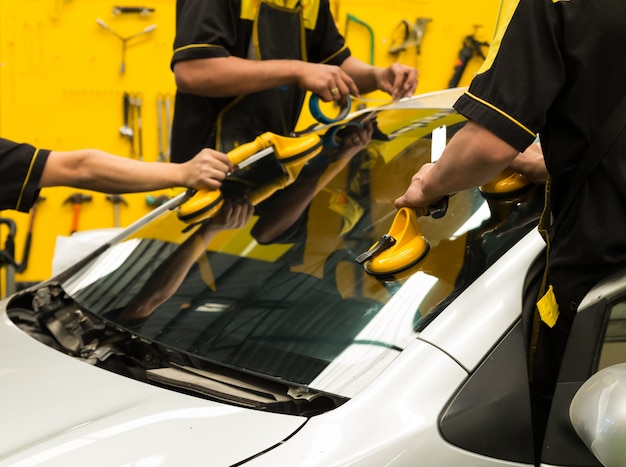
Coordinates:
[61,87]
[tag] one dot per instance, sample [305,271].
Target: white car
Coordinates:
[177,345]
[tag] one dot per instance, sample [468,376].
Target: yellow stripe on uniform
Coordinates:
[491,106]
[310,9]
[507,9]
[195,46]
[27,178]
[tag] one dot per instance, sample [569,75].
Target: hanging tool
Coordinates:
[116,200]
[140,10]
[411,35]
[126,129]
[168,126]
[164,127]
[7,256]
[291,153]
[471,46]
[21,266]
[125,40]
[76,199]
[351,18]
[136,102]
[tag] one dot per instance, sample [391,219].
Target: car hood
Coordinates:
[58,411]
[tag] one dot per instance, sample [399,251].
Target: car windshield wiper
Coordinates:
[251,393]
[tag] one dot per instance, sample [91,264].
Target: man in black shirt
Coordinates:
[542,76]
[242,68]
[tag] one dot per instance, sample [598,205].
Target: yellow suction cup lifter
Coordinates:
[507,183]
[291,152]
[403,246]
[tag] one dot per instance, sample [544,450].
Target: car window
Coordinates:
[283,297]
[613,348]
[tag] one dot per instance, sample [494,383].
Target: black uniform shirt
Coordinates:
[555,68]
[215,28]
[21,167]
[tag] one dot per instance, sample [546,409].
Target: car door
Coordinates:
[597,341]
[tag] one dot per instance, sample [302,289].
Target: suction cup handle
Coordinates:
[439,209]
[386,241]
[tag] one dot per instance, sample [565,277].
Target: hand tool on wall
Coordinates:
[353,19]
[471,46]
[7,256]
[168,126]
[164,126]
[140,10]
[125,40]
[406,35]
[126,129]
[116,200]
[136,102]
[76,199]
[22,265]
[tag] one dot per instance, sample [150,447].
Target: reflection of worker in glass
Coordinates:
[170,274]
[243,67]
[285,208]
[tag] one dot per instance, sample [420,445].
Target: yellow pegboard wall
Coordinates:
[448,23]
[61,87]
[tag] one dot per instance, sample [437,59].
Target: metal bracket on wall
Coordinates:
[125,40]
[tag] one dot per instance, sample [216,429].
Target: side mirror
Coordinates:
[598,414]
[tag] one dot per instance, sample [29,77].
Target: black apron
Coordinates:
[278,33]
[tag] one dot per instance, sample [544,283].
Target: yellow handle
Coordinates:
[292,152]
[246,150]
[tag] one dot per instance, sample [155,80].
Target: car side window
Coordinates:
[613,348]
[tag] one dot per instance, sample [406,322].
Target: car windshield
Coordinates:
[283,297]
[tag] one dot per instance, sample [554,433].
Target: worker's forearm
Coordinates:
[99,171]
[232,76]
[363,74]
[473,157]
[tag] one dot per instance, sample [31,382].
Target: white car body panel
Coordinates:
[406,399]
[71,413]
[487,309]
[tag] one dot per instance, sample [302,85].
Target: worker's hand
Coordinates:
[414,197]
[206,170]
[329,82]
[531,164]
[397,80]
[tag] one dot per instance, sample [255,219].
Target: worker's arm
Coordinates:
[233,76]
[96,170]
[473,157]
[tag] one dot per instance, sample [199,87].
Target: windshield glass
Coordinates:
[282,296]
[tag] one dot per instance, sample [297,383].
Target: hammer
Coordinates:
[77,199]
[116,200]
